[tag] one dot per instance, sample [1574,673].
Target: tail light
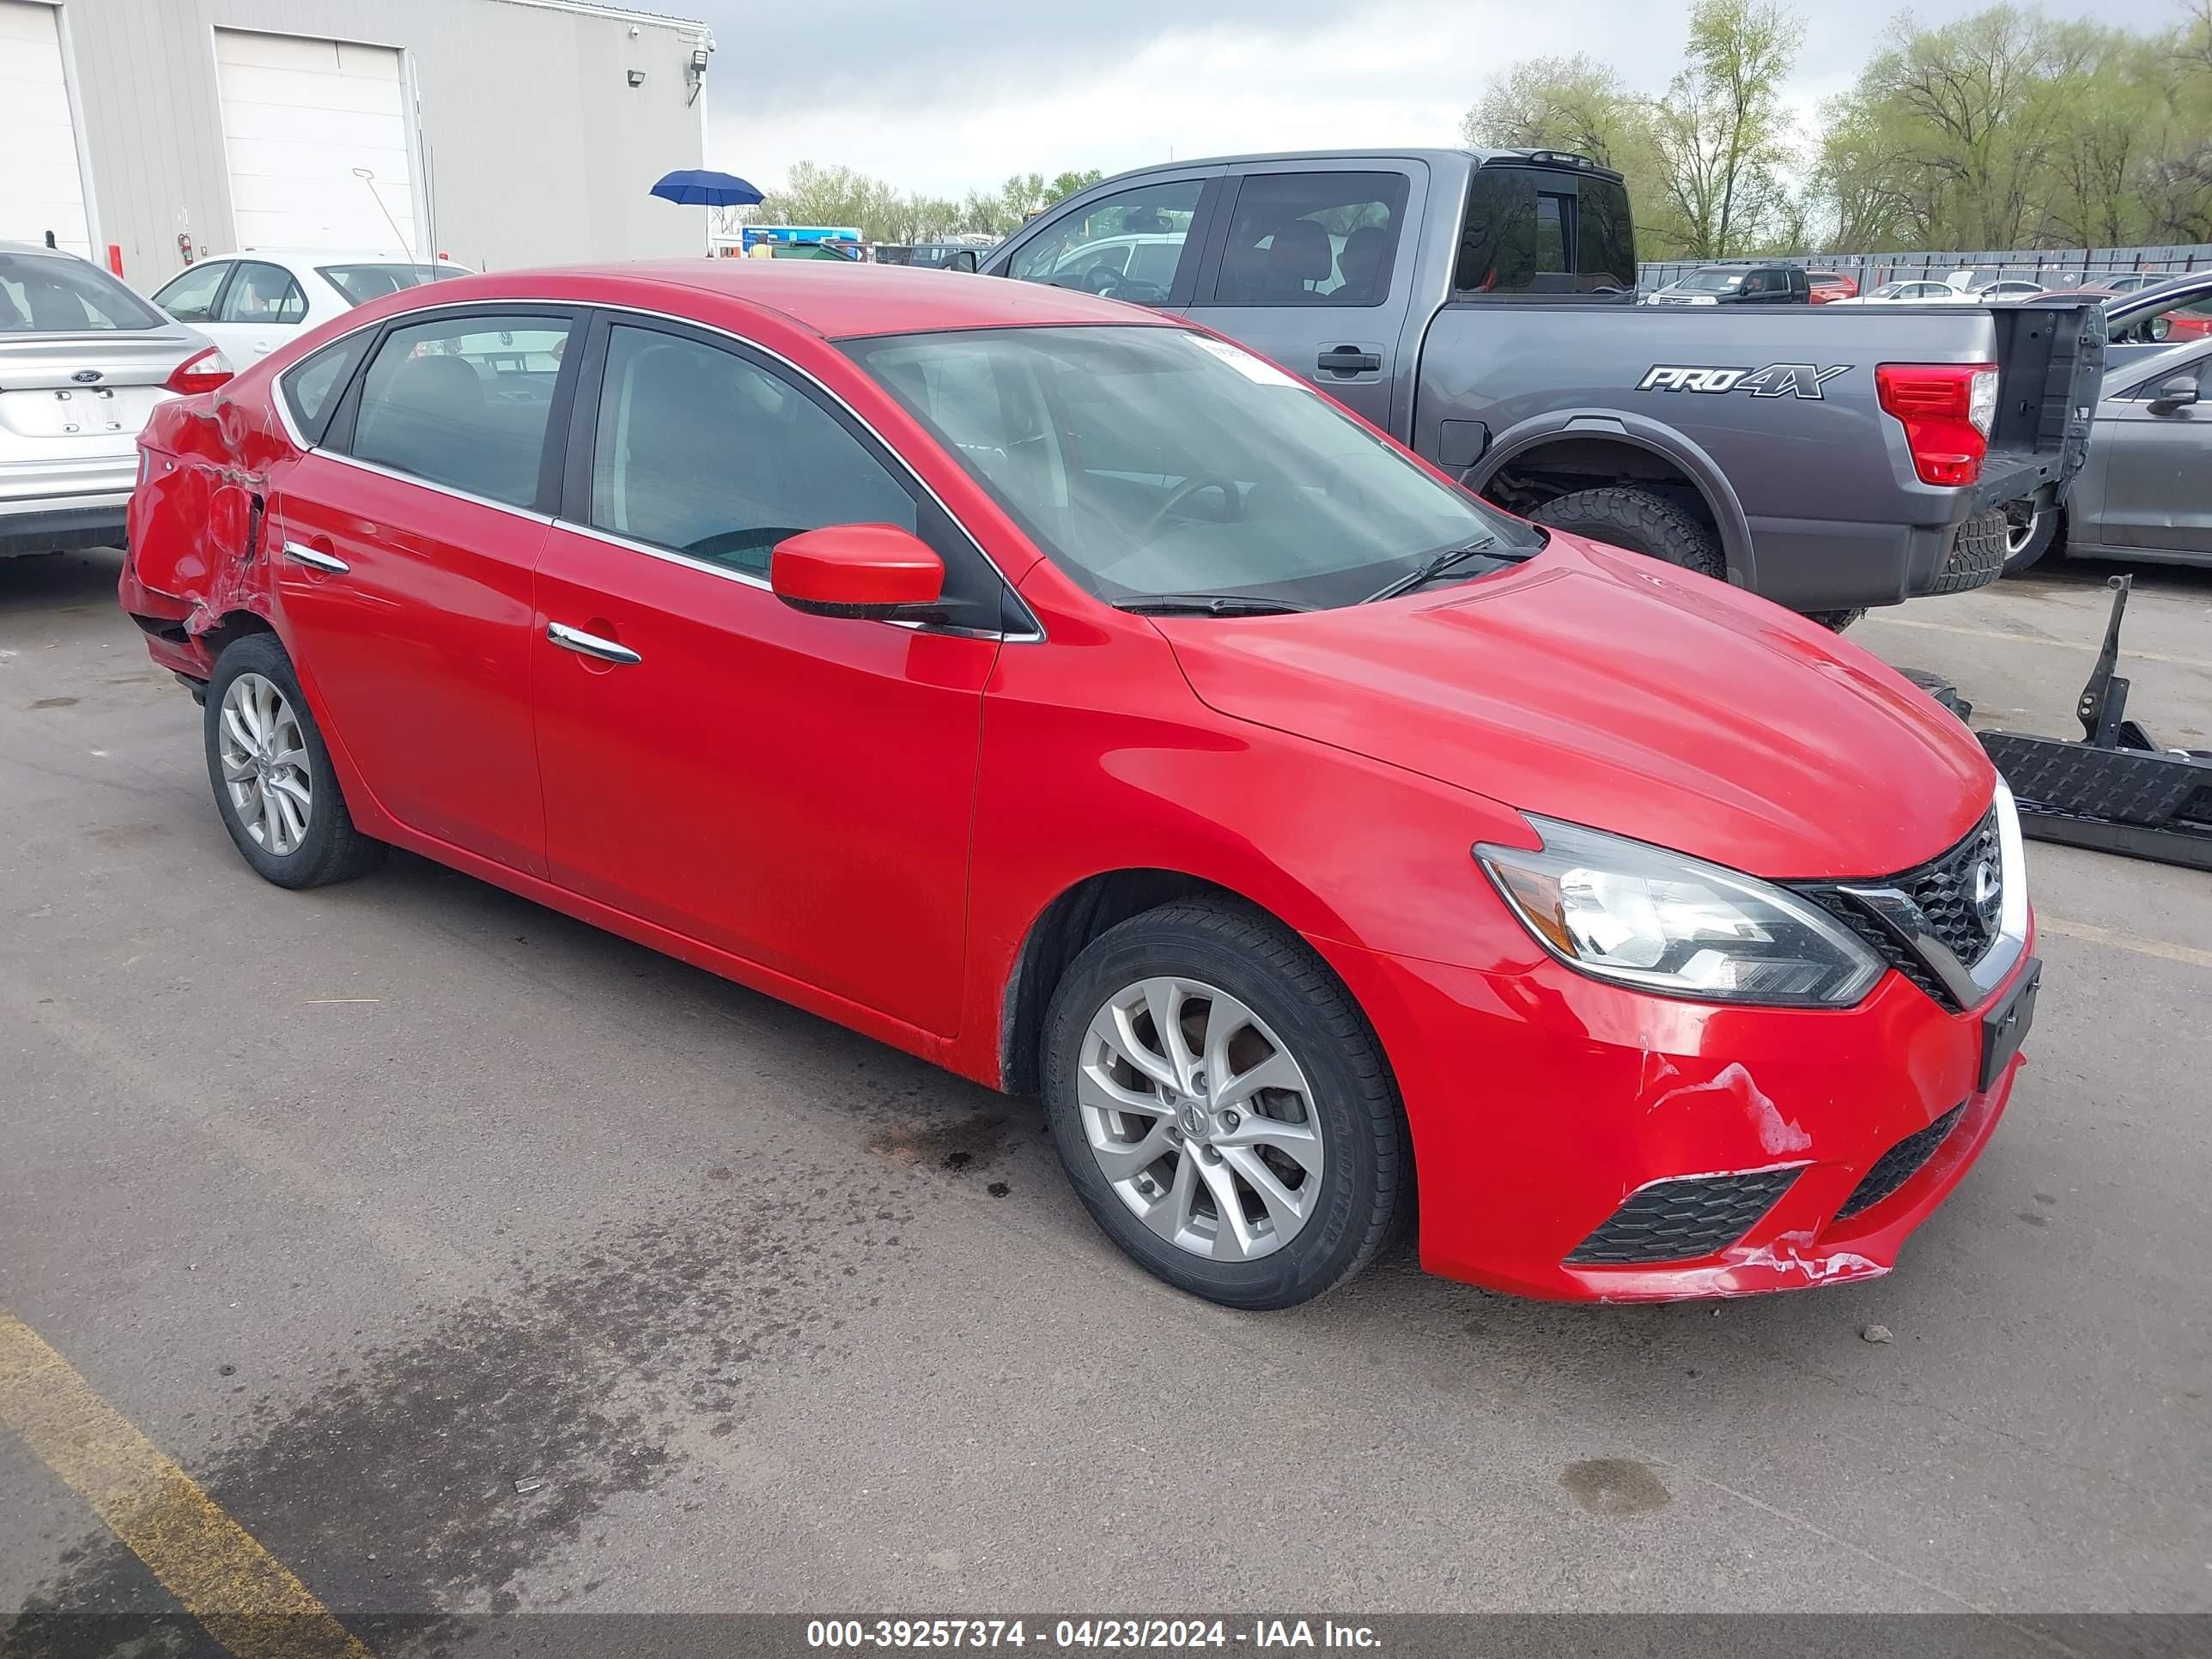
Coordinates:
[204,371]
[1947,409]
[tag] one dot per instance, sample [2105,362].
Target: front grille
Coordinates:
[1681,1221]
[1899,1165]
[1943,887]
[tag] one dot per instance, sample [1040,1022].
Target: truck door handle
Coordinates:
[589,645]
[1349,359]
[316,559]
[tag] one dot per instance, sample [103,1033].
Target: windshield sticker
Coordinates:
[1775,380]
[1255,369]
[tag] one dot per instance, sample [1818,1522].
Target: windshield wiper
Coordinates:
[1436,566]
[1205,604]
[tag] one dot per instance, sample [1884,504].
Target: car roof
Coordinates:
[328,256]
[839,300]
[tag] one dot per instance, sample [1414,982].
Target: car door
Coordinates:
[259,309]
[794,789]
[1308,271]
[2155,465]
[402,549]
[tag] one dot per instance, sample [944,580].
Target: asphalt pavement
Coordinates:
[467,1258]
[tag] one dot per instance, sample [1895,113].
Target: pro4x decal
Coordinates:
[1775,380]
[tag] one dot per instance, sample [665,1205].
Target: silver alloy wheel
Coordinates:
[1201,1119]
[265,764]
[2020,526]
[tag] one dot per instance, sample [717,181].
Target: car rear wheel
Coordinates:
[271,774]
[2030,529]
[1640,521]
[1223,1108]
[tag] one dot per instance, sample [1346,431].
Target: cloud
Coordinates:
[942,98]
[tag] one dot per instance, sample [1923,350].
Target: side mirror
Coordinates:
[2175,394]
[2158,328]
[964,259]
[866,571]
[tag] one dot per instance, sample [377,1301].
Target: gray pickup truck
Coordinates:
[1480,306]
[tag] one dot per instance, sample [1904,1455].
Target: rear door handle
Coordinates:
[1350,360]
[589,645]
[316,559]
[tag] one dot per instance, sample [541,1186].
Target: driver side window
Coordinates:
[703,452]
[1130,246]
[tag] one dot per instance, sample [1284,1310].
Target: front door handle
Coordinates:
[589,645]
[1350,360]
[316,559]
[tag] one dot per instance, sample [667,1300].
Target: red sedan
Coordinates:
[1060,693]
[1828,285]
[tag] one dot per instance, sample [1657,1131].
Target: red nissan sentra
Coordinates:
[1068,696]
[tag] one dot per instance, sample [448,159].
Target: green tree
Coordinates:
[1721,132]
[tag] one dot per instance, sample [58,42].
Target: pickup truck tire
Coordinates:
[1640,521]
[1237,983]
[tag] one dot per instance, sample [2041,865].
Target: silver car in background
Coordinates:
[83,363]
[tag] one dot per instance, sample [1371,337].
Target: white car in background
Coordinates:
[1916,292]
[252,302]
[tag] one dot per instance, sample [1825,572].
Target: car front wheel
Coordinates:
[271,774]
[1221,1107]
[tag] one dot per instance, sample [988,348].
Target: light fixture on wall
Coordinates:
[695,69]
[637,78]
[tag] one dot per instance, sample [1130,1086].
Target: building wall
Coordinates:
[534,148]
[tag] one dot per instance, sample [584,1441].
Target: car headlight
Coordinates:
[1624,910]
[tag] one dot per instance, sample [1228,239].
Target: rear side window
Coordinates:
[464,402]
[59,293]
[311,386]
[263,293]
[1529,230]
[1312,239]
[700,451]
[189,296]
[361,283]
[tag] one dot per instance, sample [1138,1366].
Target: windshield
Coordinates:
[1711,282]
[1146,460]
[59,293]
[361,283]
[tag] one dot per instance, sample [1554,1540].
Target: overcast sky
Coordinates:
[941,95]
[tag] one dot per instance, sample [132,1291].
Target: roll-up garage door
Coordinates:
[315,135]
[40,187]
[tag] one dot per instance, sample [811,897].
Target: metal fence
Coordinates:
[2052,267]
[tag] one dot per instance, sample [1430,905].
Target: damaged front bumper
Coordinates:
[1579,1141]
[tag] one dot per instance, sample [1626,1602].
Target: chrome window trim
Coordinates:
[1968,986]
[1034,635]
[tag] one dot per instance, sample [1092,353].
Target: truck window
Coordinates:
[1524,235]
[1309,239]
[1095,249]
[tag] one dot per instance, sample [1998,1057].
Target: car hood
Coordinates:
[1613,691]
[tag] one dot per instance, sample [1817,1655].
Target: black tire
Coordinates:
[1366,1177]
[330,848]
[1835,621]
[2043,533]
[1640,521]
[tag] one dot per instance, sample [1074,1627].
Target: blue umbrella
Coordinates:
[699,187]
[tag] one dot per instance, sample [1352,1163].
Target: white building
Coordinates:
[497,133]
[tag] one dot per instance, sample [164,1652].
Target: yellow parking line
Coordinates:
[246,1597]
[2030,639]
[2090,933]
